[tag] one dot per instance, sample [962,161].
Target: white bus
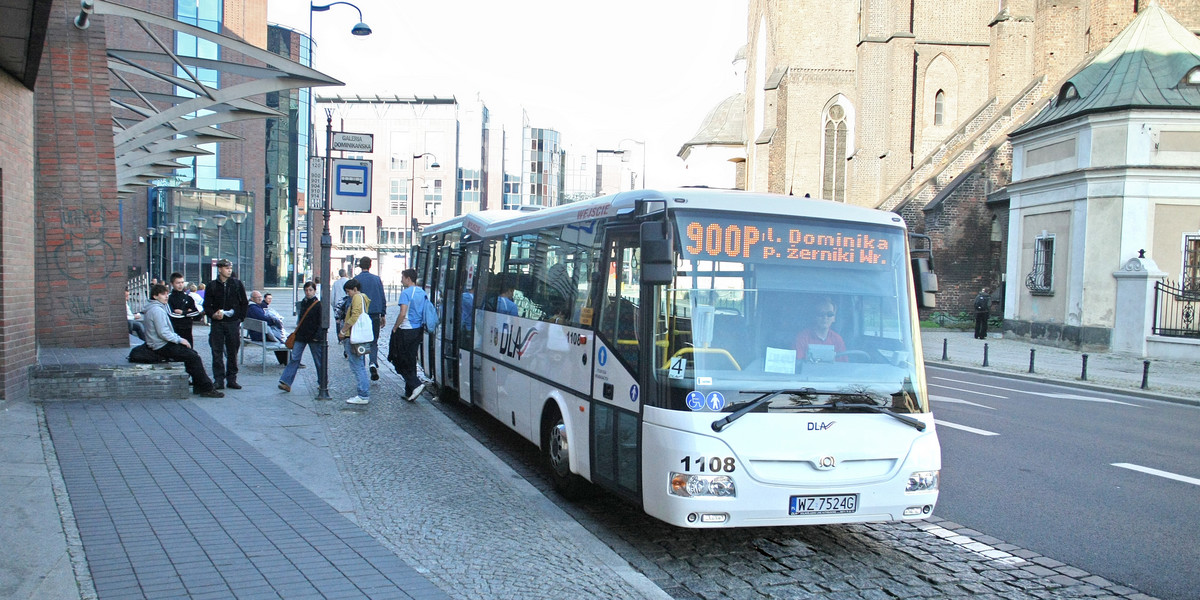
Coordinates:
[721,359]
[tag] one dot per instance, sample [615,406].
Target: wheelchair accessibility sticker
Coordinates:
[695,400]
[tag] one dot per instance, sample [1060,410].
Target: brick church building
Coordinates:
[908,106]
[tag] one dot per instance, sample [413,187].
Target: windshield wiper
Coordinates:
[917,424]
[724,422]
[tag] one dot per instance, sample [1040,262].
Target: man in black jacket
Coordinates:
[225,304]
[183,309]
[983,310]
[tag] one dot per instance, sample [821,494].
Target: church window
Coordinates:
[834,142]
[939,107]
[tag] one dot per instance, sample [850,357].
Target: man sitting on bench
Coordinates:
[257,310]
[161,338]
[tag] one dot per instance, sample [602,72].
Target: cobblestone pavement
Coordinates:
[457,514]
[932,559]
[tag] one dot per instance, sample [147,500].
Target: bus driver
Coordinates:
[817,342]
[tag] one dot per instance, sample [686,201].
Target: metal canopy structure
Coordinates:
[152,130]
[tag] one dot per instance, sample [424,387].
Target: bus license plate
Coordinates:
[823,505]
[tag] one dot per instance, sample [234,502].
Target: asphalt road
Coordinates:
[1105,482]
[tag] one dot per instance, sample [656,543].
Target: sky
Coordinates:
[597,72]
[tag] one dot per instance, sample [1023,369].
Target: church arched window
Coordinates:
[939,107]
[833,153]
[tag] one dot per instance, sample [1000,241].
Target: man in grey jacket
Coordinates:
[161,338]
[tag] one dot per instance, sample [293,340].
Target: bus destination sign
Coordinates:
[718,237]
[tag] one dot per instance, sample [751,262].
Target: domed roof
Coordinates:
[722,127]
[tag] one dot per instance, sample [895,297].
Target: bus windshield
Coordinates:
[786,304]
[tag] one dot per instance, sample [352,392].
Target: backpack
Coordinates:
[343,305]
[429,315]
[981,304]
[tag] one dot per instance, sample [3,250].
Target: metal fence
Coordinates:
[1175,310]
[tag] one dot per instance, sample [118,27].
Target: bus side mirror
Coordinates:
[926,282]
[657,266]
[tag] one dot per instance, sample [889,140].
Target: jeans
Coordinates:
[981,324]
[314,350]
[191,362]
[376,320]
[359,369]
[224,337]
[410,342]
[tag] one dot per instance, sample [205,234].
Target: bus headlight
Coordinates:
[691,486]
[922,481]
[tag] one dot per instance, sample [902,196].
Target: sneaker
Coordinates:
[374,373]
[233,385]
[416,393]
[213,394]
[357,400]
[285,387]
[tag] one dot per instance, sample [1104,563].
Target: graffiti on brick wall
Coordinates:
[80,307]
[79,250]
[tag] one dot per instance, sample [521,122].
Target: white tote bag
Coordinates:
[361,332]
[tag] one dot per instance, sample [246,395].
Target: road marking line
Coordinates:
[964,428]
[1149,471]
[970,391]
[956,401]
[1043,394]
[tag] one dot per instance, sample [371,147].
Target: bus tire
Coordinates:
[556,450]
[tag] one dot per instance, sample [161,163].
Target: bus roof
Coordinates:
[499,222]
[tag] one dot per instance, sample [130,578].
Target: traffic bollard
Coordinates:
[944,357]
[985,350]
[1083,374]
[1031,360]
[1145,374]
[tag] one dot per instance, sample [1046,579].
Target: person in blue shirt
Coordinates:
[504,302]
[370,284]
[409,326]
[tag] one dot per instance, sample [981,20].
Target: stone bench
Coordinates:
[164,381]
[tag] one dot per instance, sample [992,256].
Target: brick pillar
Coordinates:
[79,277]
[18,351]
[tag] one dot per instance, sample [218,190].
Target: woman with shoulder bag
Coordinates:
[307,334]
[357,315]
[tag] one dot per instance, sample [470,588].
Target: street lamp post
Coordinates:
[643,145]
[162,248]
[183,227]
[220,221]
[359,29]
[171,227]
[408,224]
[238,218]
[150,231]
[199,223]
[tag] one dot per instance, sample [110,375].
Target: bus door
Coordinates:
[465,323]
[617,384]
[447,330]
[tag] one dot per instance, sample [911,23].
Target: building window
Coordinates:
[833,168]
[939,107]
[398,163]
[398,198]
[1191,263]
[1040,280]
[390,236]
[433,205]
[353,235]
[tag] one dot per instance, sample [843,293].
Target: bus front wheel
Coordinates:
[556,447]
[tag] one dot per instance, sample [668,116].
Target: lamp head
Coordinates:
[361,30]
[199,222]
[220,220]
[435,165]
[162,230]
[238,217]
